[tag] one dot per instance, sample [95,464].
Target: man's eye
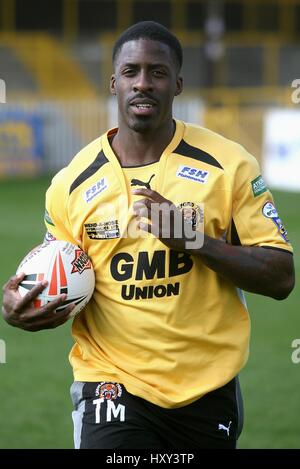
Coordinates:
[158,73]
[128,71]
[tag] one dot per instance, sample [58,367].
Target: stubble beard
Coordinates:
[141,126]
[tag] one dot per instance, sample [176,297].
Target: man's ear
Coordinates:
[112,85]
[179,86]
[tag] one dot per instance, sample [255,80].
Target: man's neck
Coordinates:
[135,148]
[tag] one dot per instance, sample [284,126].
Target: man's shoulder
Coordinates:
[202,136]
[226,151]
[79,163]
[86,155]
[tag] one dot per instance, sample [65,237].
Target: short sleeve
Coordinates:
[255,220]
[56,211]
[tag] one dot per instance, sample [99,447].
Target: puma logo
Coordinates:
[222,427]
[137,182]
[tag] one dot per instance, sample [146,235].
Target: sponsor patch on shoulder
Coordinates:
[269,211]
[192,174]
[258,186]
[95,190]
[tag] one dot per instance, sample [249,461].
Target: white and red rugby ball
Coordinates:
[67,269]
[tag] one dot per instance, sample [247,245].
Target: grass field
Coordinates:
[34,381]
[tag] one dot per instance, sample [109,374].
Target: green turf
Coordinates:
[34,383]
[34,389]
[270,380]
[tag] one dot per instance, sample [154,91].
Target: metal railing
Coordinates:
[37,135]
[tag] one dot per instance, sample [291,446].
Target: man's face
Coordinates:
[145,83]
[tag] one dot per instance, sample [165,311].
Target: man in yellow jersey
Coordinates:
[159,347]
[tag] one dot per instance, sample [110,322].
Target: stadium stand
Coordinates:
[14,71]
[240,59]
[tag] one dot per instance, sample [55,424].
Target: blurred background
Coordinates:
[241,74]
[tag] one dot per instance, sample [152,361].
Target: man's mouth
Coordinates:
[143,107]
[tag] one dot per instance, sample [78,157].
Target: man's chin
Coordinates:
[142,125]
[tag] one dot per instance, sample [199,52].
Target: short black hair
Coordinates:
[152,31]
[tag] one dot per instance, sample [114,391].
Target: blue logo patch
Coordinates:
[192,174]
[95,190]
[269,211]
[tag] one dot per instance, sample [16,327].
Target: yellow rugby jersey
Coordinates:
[139,177]
[160,321]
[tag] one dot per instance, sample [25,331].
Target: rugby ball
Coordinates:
[67,269]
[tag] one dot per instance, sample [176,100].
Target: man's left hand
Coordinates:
[166,221]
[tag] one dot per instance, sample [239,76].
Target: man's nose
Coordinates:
[143,82]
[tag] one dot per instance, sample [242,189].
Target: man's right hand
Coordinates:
[20,311]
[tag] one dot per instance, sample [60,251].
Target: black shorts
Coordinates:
[107,416]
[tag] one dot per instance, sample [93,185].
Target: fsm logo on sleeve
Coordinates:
[2,91]
[192,174]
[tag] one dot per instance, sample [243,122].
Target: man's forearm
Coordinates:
[259,270]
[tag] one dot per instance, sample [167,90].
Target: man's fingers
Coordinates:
[146,208]
[54,304]
[142,203]
[48,310]
[49,319]
[43,322]
[151,194]
[31,296]
[14,282]
[145,227]
[58,317]
[70,311]
[146,192]
[166,219]
[143,208]
[21,312]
